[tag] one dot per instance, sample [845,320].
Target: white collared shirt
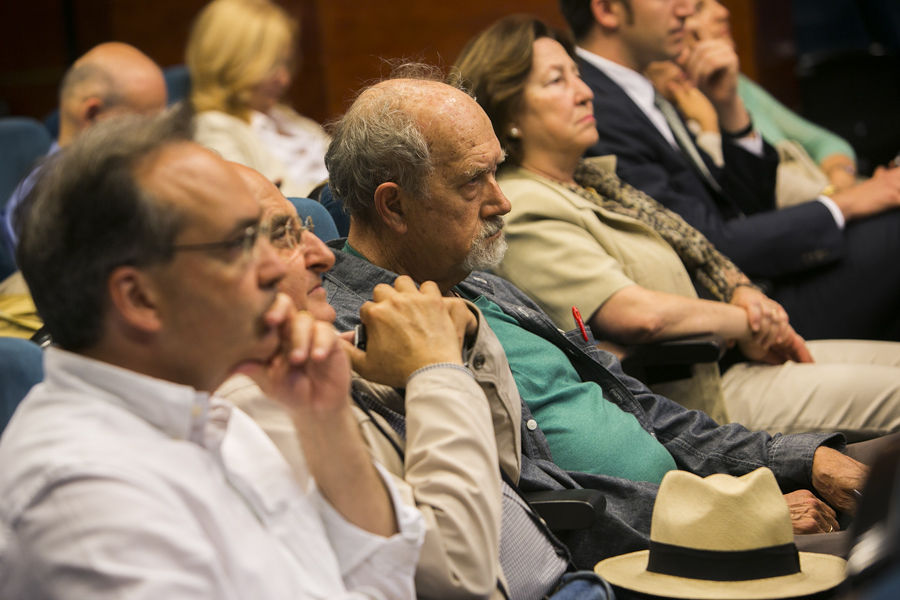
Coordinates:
[636,86]
[114,484]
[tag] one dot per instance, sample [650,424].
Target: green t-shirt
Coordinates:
[586,432]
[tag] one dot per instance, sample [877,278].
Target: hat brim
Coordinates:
[818,572]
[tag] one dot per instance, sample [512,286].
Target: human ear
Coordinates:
[91,109]
[607,13]
[389,198]
[133,298]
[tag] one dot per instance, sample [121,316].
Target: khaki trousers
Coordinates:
[853,387]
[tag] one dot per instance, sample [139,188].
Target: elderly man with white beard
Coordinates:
[414,161]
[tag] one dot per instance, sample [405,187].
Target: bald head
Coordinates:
[112,78]
[389,134]
[441,112]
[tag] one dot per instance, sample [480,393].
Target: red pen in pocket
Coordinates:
[580,322]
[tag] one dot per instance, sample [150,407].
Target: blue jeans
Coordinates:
[583,585]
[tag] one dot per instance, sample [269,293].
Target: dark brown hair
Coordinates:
[494,66]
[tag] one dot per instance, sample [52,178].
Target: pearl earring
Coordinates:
[514,132]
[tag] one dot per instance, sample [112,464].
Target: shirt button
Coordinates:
[478,361]
[531,424]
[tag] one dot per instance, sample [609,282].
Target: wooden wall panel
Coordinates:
[355,36]
[342,42]
[340,46]
[30,65]
[763,33]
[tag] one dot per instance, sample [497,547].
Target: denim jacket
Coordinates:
[696,442]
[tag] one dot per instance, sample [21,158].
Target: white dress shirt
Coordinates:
[298,142]
[114,484]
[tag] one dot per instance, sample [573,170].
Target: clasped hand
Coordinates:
[772,339]
[837,478]
[408,328]
[309,374]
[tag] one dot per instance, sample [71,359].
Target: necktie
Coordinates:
[685,141]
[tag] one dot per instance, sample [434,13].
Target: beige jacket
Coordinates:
[454,427]
[235,140]
[565,250]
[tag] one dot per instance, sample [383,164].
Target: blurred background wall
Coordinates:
[782,46]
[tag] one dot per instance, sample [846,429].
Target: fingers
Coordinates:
[800,352]
[775,325]
[835,476]
[794,349]
[708,62]
[308,356]
[357,357]
[771,320]
[282,307]
[429,288]
[754,316]
[809,514]
[409,327]
[465,321]
[310,339]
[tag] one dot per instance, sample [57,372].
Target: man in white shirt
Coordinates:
[828,264]
[121,475]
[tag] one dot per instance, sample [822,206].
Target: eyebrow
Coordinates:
[474,172]
[243,224]
[279,220]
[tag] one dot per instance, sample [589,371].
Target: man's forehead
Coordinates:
[465,137]
[458,132]
[264,191]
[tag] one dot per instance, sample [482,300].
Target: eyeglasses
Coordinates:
[288,234]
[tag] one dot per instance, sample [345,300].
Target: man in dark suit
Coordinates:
[829,261]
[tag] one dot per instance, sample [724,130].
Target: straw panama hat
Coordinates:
[722,537]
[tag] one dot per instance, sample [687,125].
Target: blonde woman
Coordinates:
[240,56]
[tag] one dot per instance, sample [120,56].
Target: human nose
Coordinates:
[583,91]
[684,8]
[497,202]
[317,256]
[721,11]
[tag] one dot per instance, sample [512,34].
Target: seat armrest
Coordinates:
[567,509]
[682,351]
[671,360]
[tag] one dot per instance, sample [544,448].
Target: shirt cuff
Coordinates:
[751,143]
[360,550]
[835,211]
[440,365]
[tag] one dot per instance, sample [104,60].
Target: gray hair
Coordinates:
[80,74]
[378,140]
[88,215]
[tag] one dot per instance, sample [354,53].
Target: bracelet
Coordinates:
[440,365]
[739,133]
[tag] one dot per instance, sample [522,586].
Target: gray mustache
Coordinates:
[491,227]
